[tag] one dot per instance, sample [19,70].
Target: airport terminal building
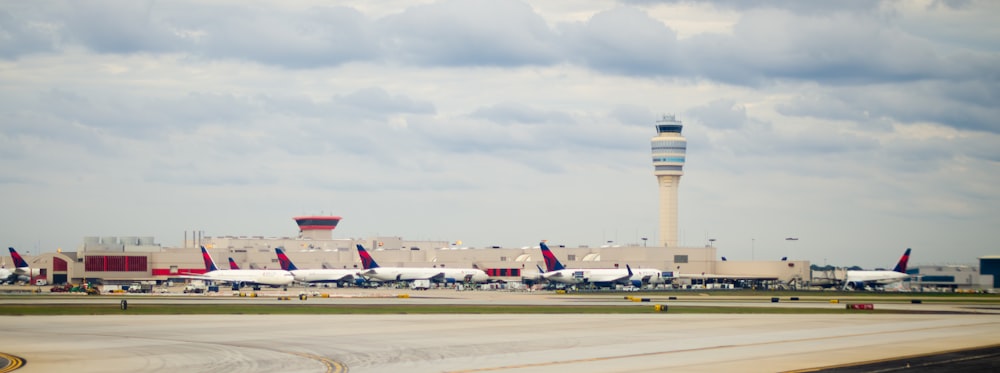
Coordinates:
[124,260]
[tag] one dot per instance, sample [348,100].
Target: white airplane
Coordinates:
[533,278]
[642,276]
[557,272]
[240,277]
[22,271]
[373,271]
[313,275]
[7,275]
[859,279]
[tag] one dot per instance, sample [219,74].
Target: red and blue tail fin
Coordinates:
[232,264]
[286,264]
[209,263]
[19,262]
[903,260]
[366,259]
[551,263]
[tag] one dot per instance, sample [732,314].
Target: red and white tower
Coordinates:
[317,227]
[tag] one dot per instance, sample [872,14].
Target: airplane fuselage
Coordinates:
[250,276]
[647,276]
[875,277]
[464,275]
[434,274]
[324,275]
[580,276]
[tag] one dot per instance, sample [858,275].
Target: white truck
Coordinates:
[420,284]
[195,288]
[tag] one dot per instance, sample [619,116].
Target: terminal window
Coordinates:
[680,258]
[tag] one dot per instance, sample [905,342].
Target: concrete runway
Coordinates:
[478,343]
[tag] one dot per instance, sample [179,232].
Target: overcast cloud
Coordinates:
[859,127]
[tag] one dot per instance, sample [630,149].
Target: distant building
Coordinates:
[990,270]
[951,277]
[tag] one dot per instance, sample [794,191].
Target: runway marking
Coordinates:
[876,361]
[332,366]
[646,354]
[13,363]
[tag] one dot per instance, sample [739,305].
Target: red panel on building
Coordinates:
[116,263]
[58,265]
[503,272]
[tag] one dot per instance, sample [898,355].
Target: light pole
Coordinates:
[644,241]
[752,243]
[711,242]
[791,239]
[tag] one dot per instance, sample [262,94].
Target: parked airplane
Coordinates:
[373,271]
[6,275]
[643,276]
[313,275]
[533,278]
[557,272]
[859,279]
[22,271]
[240,277]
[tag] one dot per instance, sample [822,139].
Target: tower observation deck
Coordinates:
[669,150]
[317,227]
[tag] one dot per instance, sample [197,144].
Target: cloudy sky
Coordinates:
[860,127]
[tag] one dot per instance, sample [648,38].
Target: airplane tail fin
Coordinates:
[209,263]
[903,260]
[286,264]
[19,262]
[629,270]
[232,264]
[551,263]
[366,259]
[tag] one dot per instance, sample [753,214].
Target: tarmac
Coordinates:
[653,342]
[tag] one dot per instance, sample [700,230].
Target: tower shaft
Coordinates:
[668,209]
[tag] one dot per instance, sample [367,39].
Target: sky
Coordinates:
[859,127]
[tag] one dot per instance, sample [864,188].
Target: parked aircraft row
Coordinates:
[289,273]
[555,272]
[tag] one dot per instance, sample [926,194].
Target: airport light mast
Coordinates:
[669,149]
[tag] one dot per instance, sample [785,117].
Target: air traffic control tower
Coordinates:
[317,227]
[669,149]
